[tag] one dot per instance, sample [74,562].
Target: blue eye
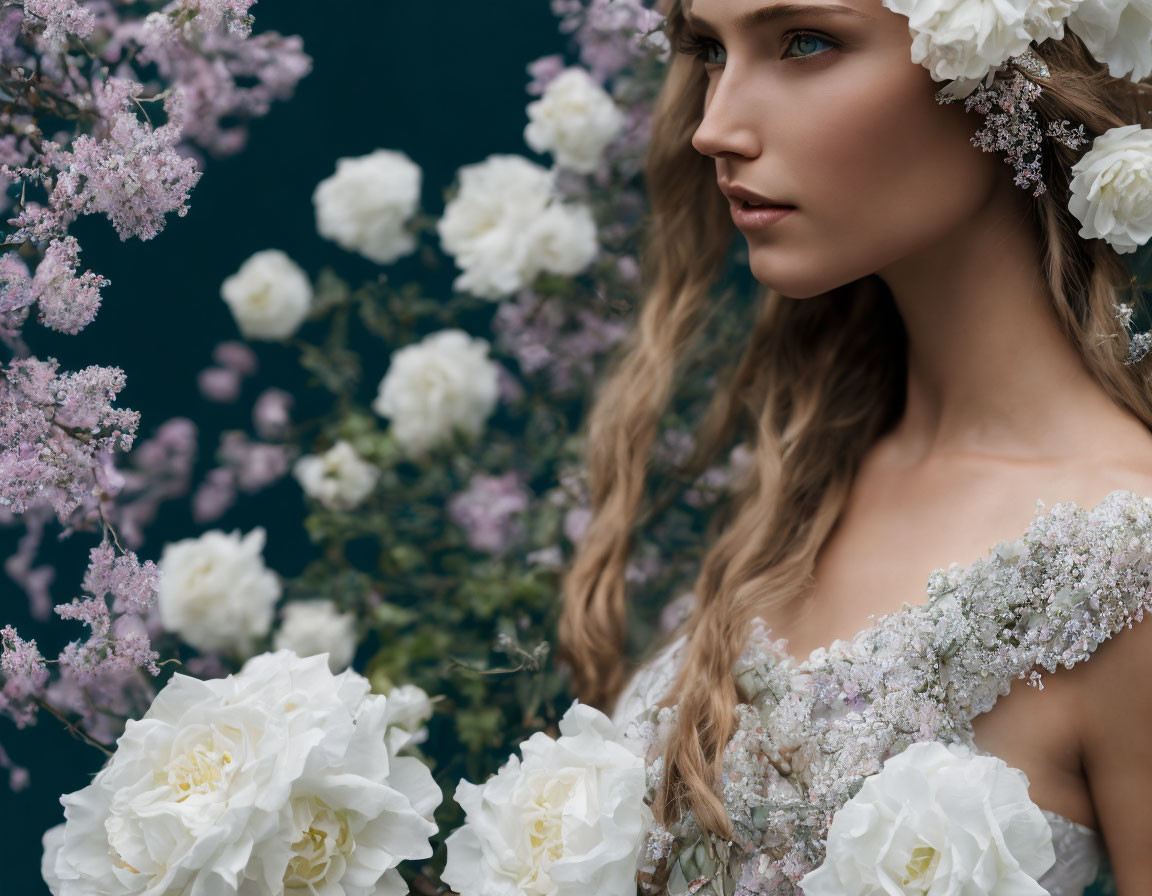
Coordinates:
[805,41]
[702,48]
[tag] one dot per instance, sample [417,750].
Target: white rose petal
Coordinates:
[1111,189]
[215,591]
[969,39]
[1118,33]
[437,386]
[366,205]
[269,296]
[270,782]
[312,627]
[937,818]
[339,478]
[574,120]
[500,226]
[564,239]
[567,820]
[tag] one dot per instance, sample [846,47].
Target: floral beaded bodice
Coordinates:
[813,730]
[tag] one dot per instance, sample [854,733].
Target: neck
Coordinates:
[990,371]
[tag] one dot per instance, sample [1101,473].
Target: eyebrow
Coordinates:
[768,14]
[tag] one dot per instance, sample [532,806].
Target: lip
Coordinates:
[769,212]
[750,218]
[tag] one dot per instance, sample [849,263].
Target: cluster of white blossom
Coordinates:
[280,779]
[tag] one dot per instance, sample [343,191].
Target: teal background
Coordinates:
[443,81]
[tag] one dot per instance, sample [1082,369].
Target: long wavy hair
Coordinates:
[816,384]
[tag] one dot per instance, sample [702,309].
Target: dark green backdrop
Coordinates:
[444,82]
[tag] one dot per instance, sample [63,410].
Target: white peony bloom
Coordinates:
[969,39]
[1112,188]
[366,205]
[493,227]
[937,818]
[269,296]
[1118,33]
[276,780]
[339,478]
[568,820]
[312,627]
[574,120]
[215,591]
[441,384]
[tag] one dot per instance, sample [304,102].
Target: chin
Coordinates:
[791,280]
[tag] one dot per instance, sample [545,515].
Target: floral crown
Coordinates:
[984,49]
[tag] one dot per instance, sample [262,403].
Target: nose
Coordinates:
[727,129]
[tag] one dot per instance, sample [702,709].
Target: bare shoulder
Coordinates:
[1114,719]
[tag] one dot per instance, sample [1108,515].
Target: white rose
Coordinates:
[1118,33]
[937,819]
[409,707]
[215,591]
[498,228]
[564,239]
[1112,189]
[441,384]
[366,205]
[312,627]
[270,781]
[566,821]
[968,39]
[574,120]
[269,295]
[339,478]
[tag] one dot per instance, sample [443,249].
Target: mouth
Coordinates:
[747,215]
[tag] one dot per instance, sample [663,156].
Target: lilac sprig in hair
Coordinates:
[1011,125]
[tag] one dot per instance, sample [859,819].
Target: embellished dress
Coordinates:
[813,730]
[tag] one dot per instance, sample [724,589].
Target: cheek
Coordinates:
[883,170]
[899,159]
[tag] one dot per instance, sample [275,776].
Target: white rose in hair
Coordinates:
[269,295]
[937,819]
[339,478]
[574,120]
[215,591]
[1118,33]
[442,384]
[568,820]
[498,227]
[968,39]
[276,780]
[1112,189]
[312,627]
[366,205]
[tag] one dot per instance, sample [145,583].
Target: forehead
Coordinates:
[743,14]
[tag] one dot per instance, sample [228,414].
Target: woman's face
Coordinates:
[819,106]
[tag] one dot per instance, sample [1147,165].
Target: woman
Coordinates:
[937,351]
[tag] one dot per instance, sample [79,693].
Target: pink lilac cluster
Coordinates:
[544,336]
[95,675]
[67,302]
[59,19]
[613,35]
[158,470]
[234,362]
[127,170]
[72,64]
[812,730]
[489,510]
[55,428]
[245,466]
